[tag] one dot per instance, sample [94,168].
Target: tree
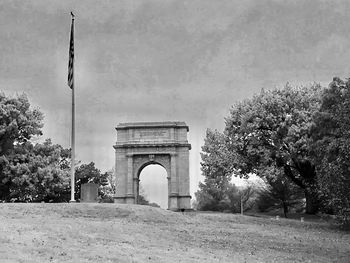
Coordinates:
[245,197]
[272,130]
[18,124]
[37,173]
[108,186]
[331,148]
[214,168]
[279,192]
[88,173]
[205,201]
[154,204]
[142,198]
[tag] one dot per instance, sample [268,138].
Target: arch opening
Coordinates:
[153,185]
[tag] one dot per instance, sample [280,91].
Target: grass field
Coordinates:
[131,233]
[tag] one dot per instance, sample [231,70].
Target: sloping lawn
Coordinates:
[132,233]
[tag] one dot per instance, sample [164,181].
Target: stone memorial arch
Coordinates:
[140,144]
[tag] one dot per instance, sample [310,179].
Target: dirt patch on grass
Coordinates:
[132,233]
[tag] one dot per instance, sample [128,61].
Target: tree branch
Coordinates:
[289,173]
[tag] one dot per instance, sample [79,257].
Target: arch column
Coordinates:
[136,189]
[174,189]
[130,196]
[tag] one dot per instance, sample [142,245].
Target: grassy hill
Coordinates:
[132,233]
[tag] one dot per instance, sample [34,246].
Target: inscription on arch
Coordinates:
[152,134]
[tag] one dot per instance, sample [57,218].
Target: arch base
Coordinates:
[176,202]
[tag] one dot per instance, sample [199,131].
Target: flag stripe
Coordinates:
[71,57]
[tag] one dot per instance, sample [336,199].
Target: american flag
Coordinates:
[71,57]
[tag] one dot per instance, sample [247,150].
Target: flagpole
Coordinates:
[72,178]
[72,200]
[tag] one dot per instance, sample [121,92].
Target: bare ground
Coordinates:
[131,233]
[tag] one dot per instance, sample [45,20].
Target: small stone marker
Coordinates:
[89,193]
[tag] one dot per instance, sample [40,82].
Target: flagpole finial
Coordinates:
[73,16]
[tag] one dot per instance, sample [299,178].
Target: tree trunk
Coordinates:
[312,202]
[285,209]
[308,182]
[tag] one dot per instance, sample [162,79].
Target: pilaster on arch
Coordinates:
[141,144]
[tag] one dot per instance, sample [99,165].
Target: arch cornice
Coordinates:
[150,153]
[150,145]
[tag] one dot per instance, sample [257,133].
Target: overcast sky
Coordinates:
[163,60]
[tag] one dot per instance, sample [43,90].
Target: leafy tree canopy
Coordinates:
[18,124]
[214,165]
[279,192]
[331,147]
[36,173]
[88,173]
[273,129]
[18,121]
